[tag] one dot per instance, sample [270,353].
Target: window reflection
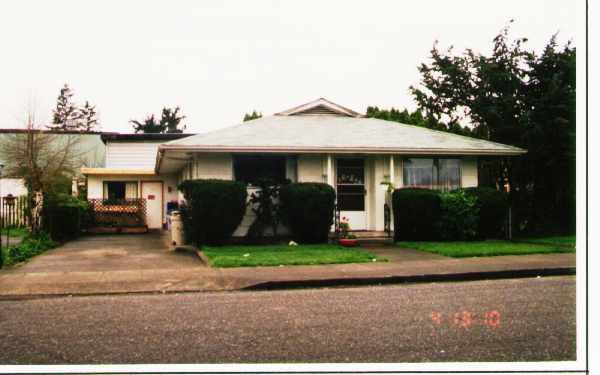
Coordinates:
[432,173]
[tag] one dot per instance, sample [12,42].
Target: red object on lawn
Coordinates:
[348,242]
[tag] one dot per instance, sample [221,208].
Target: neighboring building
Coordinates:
[90,148]
[316,142]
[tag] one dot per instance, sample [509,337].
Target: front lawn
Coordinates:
[484,248]
[276,255]
[551,240]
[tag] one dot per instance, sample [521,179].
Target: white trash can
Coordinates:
[177,238]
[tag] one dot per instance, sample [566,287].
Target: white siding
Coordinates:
[469,172]
[217,166]
[310,168]
[131,155]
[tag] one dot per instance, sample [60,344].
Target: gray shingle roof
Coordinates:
[329,133]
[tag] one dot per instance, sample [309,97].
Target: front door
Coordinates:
[351,191]
[153,194]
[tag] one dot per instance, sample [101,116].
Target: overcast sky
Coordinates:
[220,59]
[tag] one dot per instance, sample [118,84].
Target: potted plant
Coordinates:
[346,239]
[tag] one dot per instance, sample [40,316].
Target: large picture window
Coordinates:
[116,190]
[432,173]
[253,168]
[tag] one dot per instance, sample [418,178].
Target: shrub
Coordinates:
[459,217]
[213,209]
[63,215]
[30,246]
[416,212]
[493,206]
[307,210]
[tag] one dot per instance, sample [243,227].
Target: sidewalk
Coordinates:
[15,284]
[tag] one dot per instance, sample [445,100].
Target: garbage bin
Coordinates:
[177,238]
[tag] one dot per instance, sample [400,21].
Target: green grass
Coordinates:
[15,232]
[484,248]
[551,240]
[276,255]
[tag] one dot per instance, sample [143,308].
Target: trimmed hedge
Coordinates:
[307,209]
[416,212]
[493,206]
[213,209]
[462,214]
[459,219]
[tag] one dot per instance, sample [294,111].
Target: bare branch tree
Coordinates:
[40,158]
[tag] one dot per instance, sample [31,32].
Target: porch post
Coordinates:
[329,170]
[392,177]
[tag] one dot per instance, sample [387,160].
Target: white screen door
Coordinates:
[152,193]
[351,191]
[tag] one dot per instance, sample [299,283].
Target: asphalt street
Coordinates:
[498,320]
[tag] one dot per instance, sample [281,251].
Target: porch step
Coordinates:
[375,240]
[369,234]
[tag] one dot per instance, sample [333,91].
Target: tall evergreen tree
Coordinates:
[65,115]
[87,120]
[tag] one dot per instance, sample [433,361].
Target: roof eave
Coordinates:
[344,150]
[116,171]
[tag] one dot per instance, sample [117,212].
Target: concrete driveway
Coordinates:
[111,253]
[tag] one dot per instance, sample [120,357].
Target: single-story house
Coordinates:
[318,141]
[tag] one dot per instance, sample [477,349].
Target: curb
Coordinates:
[337,282]
[358,281]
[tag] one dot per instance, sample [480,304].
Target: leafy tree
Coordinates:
[46,161]
[252,116]
[416,118]
[170,120]
[550,137]
[516,97]
[149,125]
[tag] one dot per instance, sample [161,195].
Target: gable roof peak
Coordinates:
[319,106]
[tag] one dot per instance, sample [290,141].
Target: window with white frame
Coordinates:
[115,190]
[432,173]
